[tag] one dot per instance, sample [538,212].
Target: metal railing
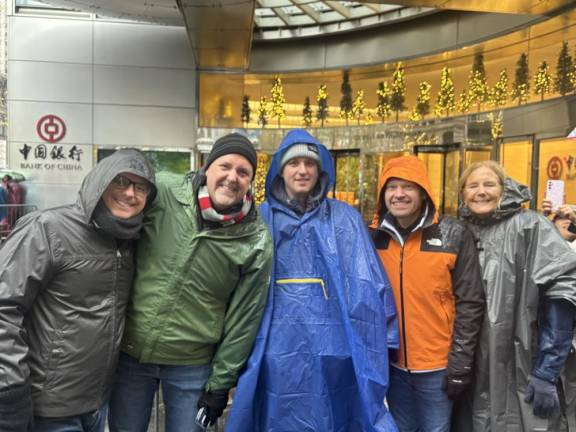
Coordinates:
[9,215]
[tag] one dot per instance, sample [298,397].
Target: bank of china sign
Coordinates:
[49,160]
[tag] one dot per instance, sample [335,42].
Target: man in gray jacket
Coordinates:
[65,277]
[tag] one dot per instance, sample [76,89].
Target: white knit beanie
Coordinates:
[309,151]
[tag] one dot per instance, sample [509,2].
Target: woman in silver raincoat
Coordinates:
[529,274]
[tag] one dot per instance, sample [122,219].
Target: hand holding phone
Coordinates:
[555,193]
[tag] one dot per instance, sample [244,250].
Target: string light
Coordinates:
[445,102]
[278,100]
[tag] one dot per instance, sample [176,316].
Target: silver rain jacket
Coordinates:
[523,258]
[64,286]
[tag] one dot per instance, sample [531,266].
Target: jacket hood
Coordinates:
[97,180]
[408,168]
[300,136]
[513,196]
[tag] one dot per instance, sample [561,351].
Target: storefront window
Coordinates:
[443,163]
[372,181]
[177,162]
[516,158]
[347,176]
[476,155]
[557,162]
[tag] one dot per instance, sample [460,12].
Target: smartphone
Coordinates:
[555,193]
[202,419]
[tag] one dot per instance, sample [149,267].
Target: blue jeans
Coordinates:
[90,422]
[417,401]
[134,389]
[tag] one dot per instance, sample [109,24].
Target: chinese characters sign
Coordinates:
[49,160]
[59,163]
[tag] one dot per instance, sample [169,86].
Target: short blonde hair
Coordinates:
[495,167]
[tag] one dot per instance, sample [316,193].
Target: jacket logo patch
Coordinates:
[434,242]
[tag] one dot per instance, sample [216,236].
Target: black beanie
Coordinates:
[233,143]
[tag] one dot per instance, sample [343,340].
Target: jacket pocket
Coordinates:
[53,357]
[302,299]
[445,300]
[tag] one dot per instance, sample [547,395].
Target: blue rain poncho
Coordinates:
[320,360]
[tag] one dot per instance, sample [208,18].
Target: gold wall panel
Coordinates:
[536,7]
[222,92]
[516,158]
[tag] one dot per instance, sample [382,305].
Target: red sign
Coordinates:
[51,128]
[554,168]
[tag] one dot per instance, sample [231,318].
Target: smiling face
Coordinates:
[300,175]
[127,198]
[482,192]
[404,200]
[228,180]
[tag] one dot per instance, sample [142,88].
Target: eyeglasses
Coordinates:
[122,182]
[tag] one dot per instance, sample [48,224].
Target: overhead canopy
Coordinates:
[534,7]
[220,32]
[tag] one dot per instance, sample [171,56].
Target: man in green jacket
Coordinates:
[203,269]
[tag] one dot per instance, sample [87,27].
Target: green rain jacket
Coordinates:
[199,294]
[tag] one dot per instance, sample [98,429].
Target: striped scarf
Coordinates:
[209,213]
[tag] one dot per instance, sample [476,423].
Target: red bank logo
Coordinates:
[51,128]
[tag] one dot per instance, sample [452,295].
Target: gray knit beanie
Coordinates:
[309,151]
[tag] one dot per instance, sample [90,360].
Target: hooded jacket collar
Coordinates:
[97,180]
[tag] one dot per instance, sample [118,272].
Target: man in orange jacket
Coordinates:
[435,276]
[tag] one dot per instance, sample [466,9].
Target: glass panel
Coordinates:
[435,165]
[372,182]
[347,177]
[444,172]
[476,155]
[171,161]
[451,176]
[259,186]
[516,158]
[221,100]
[557,162]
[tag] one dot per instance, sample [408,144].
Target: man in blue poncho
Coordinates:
[320,360]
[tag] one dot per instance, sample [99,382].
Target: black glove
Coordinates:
[455,385]
[215,402]
[543,395]
[16,409]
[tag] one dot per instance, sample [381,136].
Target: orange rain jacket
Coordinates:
[436,280]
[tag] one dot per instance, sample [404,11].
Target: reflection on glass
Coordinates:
[475,155]
[443,171]
[451,176]
[516,158]
[557,162]
[372,182]
[177,162]
[347,186]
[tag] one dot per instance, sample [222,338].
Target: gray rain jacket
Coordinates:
[523,258]
[64,286]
